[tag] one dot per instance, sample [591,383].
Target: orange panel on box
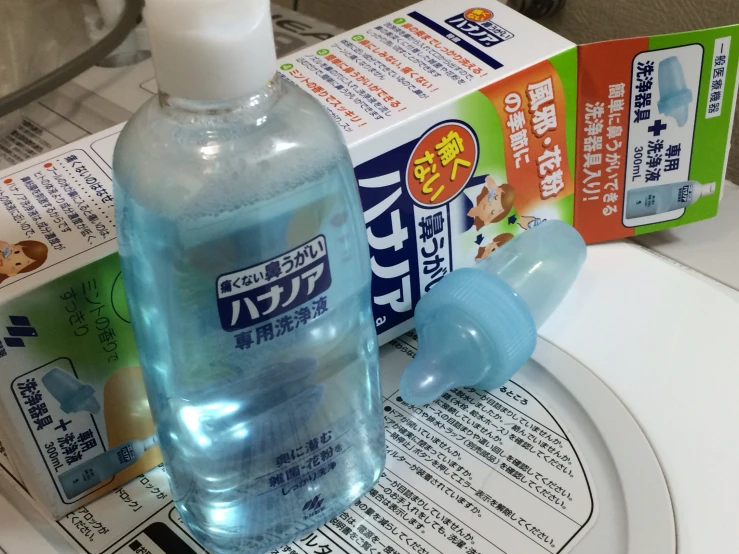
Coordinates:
[532,110]
[604,84]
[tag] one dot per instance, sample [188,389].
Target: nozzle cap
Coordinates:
[477,326]
[540,265]
[474,330]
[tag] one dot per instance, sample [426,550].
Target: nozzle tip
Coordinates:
[422,383]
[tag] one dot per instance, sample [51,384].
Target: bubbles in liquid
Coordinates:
[247,151]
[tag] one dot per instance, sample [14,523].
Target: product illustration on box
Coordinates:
[652,131]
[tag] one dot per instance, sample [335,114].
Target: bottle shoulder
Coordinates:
[293,117]
[172,152]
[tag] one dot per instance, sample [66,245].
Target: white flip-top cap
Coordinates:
[708,189]
[211,49]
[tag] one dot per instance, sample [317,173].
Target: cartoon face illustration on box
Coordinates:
[484,219]
[441,169]
[437,203]
[21,257]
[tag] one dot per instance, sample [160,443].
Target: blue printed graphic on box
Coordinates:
[407,193]
[269,289]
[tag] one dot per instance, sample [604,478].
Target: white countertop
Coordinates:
[710,247]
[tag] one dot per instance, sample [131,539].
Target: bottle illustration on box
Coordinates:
[72,394]
[94,471]
[660,199]
[674,95]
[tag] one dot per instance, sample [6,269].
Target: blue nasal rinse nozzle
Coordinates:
[674,95]
[477,326]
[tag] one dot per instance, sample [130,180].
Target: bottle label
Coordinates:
[276,286]
[126,455]
[88,474]
[304,465]
[684,194]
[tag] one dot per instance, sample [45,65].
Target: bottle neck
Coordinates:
[257,102]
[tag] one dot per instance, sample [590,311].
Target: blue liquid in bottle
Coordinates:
[246,267]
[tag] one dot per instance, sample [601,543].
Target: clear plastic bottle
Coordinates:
[246,267]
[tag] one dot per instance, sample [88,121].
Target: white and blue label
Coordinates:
[407,201]
[266,290]
[391,231]
[685,194]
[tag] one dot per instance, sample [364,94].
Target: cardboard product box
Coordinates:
[467,125]
[73,404]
